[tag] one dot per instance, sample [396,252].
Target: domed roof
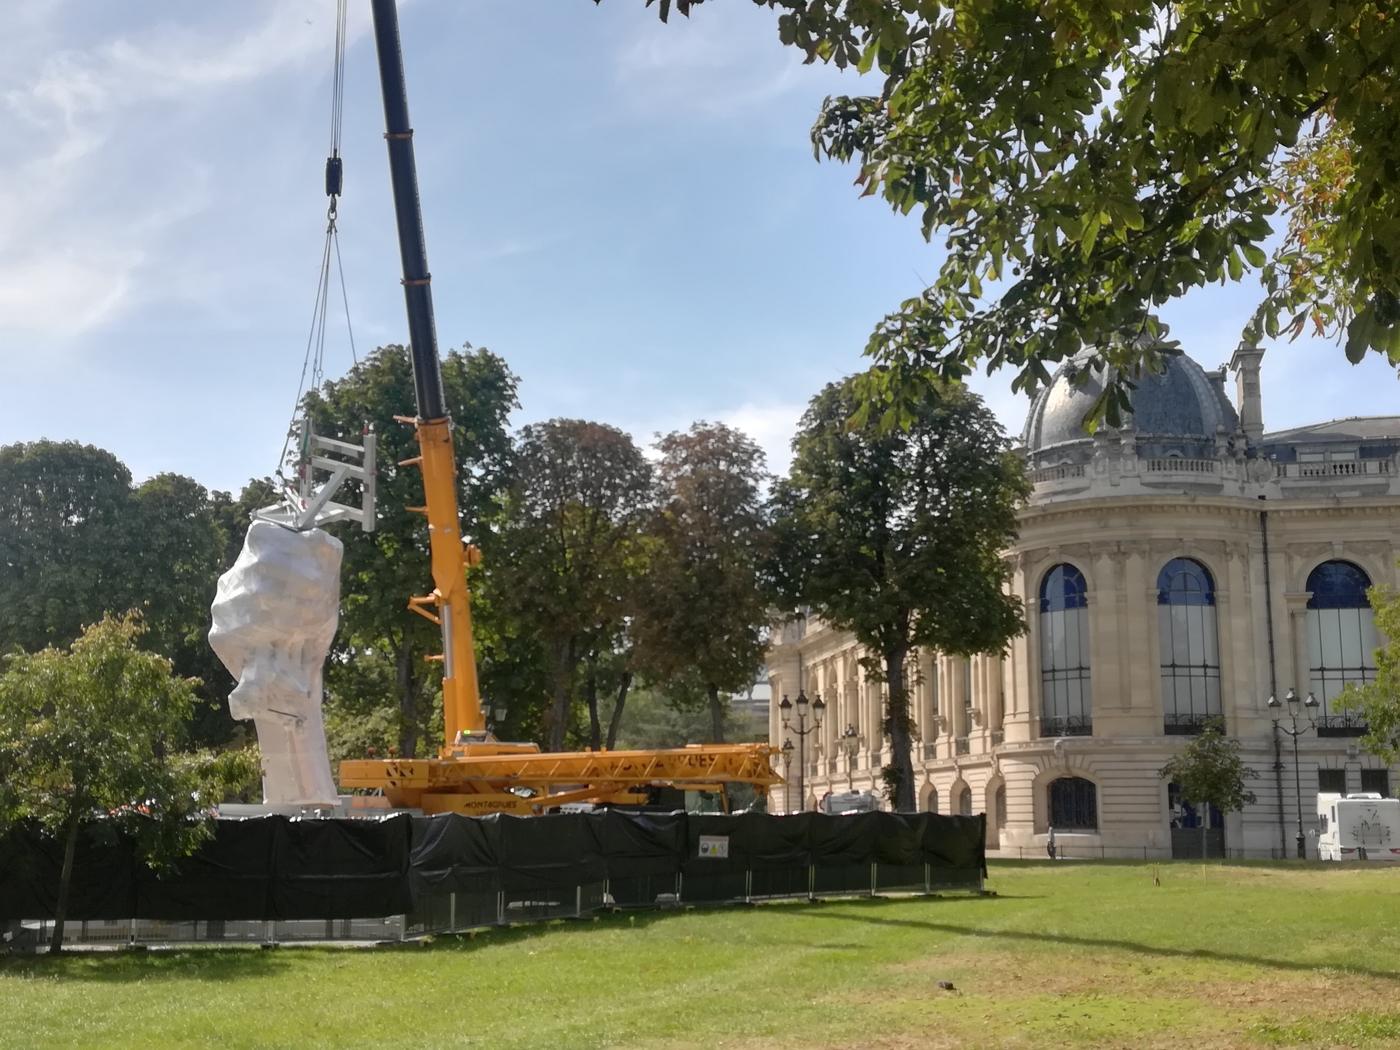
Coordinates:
[1180,402]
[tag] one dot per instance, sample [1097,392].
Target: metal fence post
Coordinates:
[452,911]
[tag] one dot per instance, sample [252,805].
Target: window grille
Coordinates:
[1064,653]
[1190,657]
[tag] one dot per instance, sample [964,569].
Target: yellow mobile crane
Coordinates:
[475,773]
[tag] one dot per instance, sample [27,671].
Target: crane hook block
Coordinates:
[334,176]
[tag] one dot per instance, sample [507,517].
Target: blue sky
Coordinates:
[629,213]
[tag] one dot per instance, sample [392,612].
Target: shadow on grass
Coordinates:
[176,964]
[249,961]
[1158,951]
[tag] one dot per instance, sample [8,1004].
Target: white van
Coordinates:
[1361,826]
[850,802]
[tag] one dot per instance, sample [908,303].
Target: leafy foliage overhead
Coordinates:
[1086,161]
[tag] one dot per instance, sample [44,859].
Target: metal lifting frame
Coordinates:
[309,504]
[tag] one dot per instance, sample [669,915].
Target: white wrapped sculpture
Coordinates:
[274,615]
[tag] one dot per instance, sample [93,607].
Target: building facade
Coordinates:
[1185,567]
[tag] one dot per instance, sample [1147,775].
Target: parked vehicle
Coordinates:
[850,802]
[1359,826]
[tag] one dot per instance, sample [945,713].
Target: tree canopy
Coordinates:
[898,535]
[1086,161]
[703,604]
[78,541]
[563,559]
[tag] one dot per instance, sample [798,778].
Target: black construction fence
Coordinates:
[275,878]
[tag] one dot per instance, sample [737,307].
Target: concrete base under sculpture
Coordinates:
[274,615]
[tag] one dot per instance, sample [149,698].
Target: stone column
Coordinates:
[1140,631]
[1245,364]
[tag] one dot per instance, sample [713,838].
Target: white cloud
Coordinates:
[78,240]
[771,426]
[719,63]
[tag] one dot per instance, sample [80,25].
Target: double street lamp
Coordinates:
[803,710]
[1295,731]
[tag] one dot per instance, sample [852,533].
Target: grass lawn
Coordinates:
[1070,954]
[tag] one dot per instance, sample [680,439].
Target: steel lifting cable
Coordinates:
[314,357]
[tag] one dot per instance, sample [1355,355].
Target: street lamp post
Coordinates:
[852,741]
[1309,705]
[801,707]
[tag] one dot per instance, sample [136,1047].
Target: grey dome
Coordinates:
[1181,402]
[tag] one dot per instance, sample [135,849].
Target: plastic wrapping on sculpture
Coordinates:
[274,615]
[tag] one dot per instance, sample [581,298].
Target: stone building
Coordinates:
[1185,567]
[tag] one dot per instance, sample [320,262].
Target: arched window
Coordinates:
[1341,641]
[932,799]
[963,801]
[1074,804]
[1190,646]
[1064,654]
[999,805]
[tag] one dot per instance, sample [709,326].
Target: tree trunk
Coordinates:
[615,722]
[408,702]
[898,712]
[1205,826]
[595,725]
[557,717]
[65,884]
[716,716]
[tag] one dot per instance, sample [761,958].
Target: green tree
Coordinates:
[175,548]
[1379,699]
[382,569]
[703,603]
[93,734]
[562,562]
[1087,160]
[64,541]
[1209,771]
[77,541]
[897,535]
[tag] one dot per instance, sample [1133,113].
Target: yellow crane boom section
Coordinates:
[516,778]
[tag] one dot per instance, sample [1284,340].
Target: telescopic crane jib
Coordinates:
[474,772]
[447,605]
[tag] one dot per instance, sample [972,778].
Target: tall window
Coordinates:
[1064,653]
[964,801]
[1377,780]
[1074,804]
[1190,646]
[1341,642]
[1332,780]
